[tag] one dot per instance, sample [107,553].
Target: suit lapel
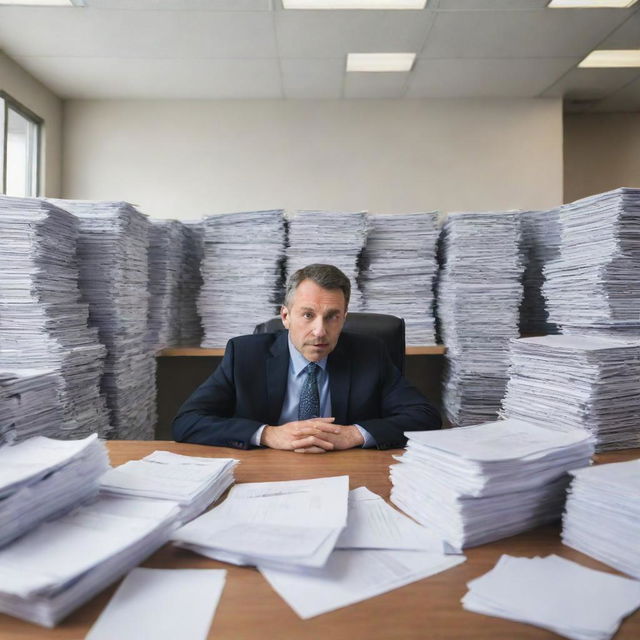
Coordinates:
[277,370]
[339,369]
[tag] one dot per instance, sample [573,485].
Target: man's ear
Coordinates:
[284,316]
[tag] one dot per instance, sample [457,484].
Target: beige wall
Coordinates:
[601,152]
[24,88]
[186,159]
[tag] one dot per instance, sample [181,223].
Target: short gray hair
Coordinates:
[324,275]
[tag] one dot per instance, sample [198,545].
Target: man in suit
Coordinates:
[310,389]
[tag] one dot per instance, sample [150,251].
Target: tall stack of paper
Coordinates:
[399,267]
[479,293]
[272,524]
[43,322]
[190,284]
[555,594]
[593,286]
[328,237]
[51,571]
[113,252]
[540,243]
[578,382]
[241,271]
[166,244]
[29,404]
[193,482]
[602,514]
[478,484]
[42,478]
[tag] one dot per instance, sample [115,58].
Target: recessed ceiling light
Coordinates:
[354,4]
[46,3]
[380,62]
[612,58]
[591,4]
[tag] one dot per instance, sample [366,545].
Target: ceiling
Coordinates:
[221,49]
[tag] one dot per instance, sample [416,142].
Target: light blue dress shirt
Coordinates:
[295,380]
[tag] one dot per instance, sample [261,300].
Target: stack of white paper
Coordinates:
[593,286]
[49,572]
[539,244]
[242,273]
[578,382]
[194,483]
[190,284]
[602,514]
[479,294]
[43,323]
[272,524]
[328,237]
[42,478]
[555,594]
[399,261]
[478,484]
[29,404]
[112,249]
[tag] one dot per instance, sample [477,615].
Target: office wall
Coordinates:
[185,159]
[601,152]
[24,88]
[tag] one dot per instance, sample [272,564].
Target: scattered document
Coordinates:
[281,524]
[602,515]
[161,604]
[555,594]
[352,576]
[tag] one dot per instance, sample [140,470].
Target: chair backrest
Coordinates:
[387,328]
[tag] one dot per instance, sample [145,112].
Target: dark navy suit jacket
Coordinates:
[248,388]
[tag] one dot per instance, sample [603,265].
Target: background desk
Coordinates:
[250,609]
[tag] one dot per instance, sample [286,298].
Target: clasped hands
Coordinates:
[316,435]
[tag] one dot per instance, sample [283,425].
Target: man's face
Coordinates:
[315,319]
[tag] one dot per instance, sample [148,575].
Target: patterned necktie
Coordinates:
[309,406]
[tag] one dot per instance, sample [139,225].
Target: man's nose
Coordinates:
[318,327]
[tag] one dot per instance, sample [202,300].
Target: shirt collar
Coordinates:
[299,362]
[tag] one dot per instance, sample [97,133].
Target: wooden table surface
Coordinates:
[250,609]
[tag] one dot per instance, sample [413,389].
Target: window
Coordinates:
[20,157]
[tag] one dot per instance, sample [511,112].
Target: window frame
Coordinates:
[9,102]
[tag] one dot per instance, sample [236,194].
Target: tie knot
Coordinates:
[312,369]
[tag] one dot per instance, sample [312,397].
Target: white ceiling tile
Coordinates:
[626,36]
[466,78]
[488,5]
[626,99]
[190,79]
[136,34]
[302,79]
[523,34]
[182,5]
[330,34]
[375,85]
[590,84]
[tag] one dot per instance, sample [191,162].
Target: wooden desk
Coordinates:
[250,609]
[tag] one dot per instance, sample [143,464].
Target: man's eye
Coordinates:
[307,315]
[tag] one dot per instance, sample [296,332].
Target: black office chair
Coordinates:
[387,328]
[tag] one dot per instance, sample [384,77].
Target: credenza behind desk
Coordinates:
[250,610]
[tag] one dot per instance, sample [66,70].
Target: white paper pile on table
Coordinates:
[477,484]
[43,322]
[539,244]
[52,570]
[602,514]
[328,237]
[272,524]
[578,382]
[166,243]
[193,482]
[593,286]
[479,293]
[41,478]
[399,267]
[191,284]
[242,273]
[112,250]
[30,404]
[555,594]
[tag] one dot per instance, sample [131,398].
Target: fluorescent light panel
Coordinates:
[380,62]
[354,4]
[45,3]
[612,58]
[591,4]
